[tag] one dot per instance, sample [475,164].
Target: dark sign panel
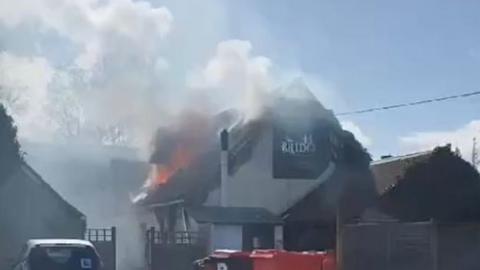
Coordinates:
[300,152]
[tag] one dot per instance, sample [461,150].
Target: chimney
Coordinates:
[224,167]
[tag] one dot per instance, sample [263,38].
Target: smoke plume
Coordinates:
[123,72]
[111,72]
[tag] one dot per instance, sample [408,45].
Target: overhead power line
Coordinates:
[408,104]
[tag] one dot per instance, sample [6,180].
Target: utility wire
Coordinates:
[408,104]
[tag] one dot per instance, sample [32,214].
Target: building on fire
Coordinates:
[280,180]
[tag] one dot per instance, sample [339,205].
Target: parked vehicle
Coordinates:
[58,254]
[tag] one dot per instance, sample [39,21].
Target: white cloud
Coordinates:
[461,137]
[365,140]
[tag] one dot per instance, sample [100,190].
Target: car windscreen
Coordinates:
[63,258]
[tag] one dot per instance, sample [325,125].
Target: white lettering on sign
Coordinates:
[222,266]
[304,146]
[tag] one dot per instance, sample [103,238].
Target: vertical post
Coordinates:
[434,244]
[210,241]
[163,231]
[389,245]
[172,223]
[143,238]
[151,235]
[114,243]
[339,238]
[150,244]
[224,168]
[278,237]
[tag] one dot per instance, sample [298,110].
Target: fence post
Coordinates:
[389,245]
[162,235]
[434,244]
[339,238]
[150,243]
[114,243]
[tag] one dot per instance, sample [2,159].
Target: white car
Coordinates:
[58,254]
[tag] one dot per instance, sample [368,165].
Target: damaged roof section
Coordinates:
[255,162]
[190,185]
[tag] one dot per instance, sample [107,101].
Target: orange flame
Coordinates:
[180,143]
[181,158]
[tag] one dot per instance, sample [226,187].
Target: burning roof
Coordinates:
[176,147]
[193,177]
[190,185]
[184,162]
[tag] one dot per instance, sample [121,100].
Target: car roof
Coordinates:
[54,242]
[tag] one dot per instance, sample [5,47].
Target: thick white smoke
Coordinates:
[111,72]
[24,89]
[110,79]
[127,73]
[234,74]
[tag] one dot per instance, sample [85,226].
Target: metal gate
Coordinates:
[174,251]
[105,241]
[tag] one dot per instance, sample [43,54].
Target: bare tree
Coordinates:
[68,115]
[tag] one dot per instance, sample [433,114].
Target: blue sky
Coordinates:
[378,53]
[353,54]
